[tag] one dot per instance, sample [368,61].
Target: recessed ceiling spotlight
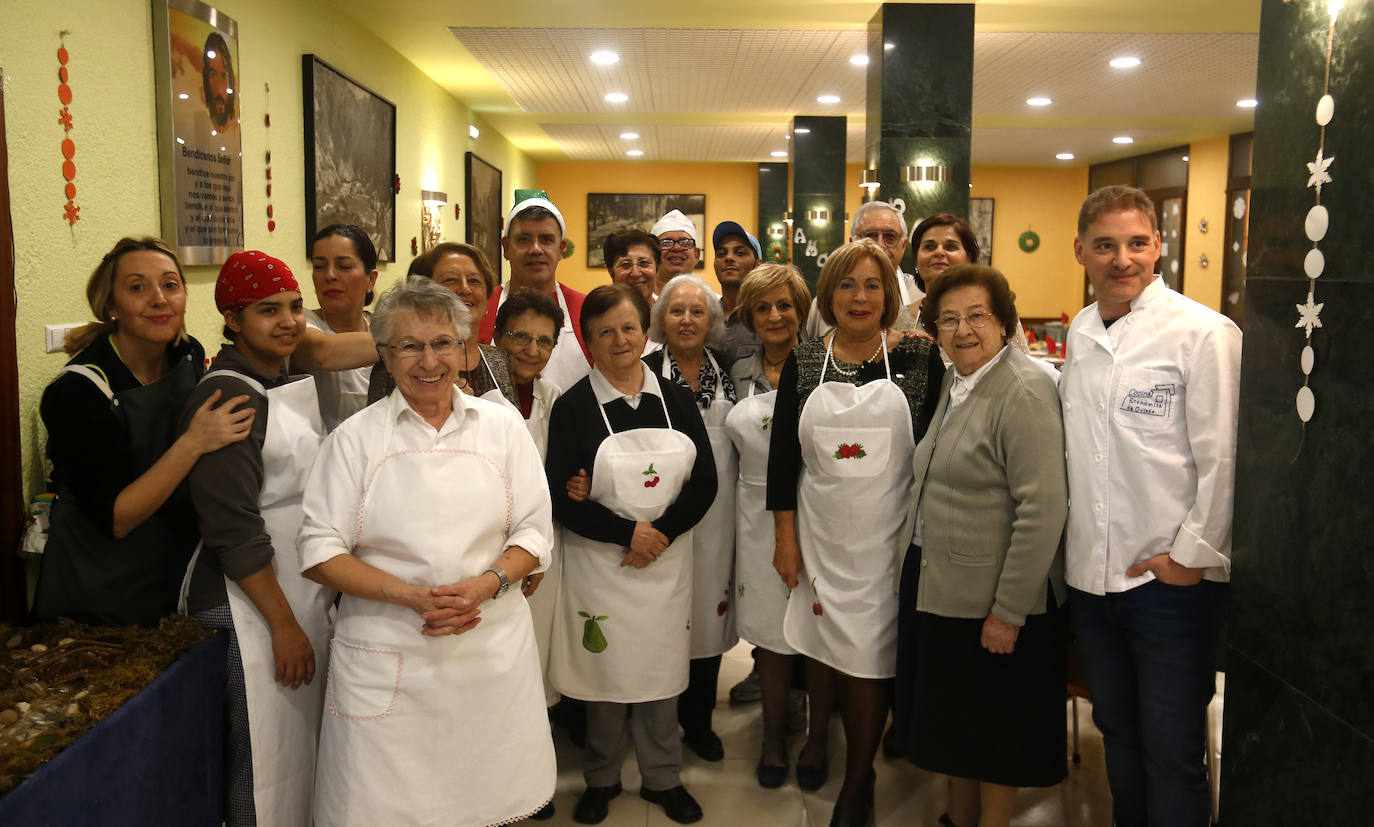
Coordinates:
[828,99]
[859,60]
[629,136]
[1038,101]
[605,58]
[1185,159]
[1064,156]
[617,97]
[473,131]
[1124,62]
[802,130]
[778,153]
[1247,103]
[1123,139]
[634,153]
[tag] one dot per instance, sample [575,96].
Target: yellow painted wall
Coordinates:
[732,194]
[1208,168]
[111,65]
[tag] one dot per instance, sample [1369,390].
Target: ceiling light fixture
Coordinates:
[473,131]
[859,60]
[634,153]
[828,99]
[1124,62]
[1038,101]
[1064,156]
[778,153]
[1123,139]
[802,130]
[1185,159]
[1247,103]
[604,58]
[629,136]
[617,97]
[183,96]
[787,137]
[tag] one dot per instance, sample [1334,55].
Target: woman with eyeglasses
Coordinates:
[981,643]
[632,257]
[464,270]
[436,710]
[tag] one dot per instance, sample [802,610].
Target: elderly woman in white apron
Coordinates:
[245,577]
[849,411]
[484,370]
[621,635]
[773,302]
[435,713]
[690,324]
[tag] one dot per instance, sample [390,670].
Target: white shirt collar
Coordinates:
[1152,291]
[606,392]
[400,408]
[962,386]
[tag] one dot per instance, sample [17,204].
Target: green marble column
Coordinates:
[818,149]
[920,106]
[772,227]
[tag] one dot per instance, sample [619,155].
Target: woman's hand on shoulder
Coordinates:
[999,638]
[213,427]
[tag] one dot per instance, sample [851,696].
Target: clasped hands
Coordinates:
[452,609]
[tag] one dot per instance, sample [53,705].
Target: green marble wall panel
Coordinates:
[818,156]
[772,226]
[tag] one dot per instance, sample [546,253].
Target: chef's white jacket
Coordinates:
[1150,408]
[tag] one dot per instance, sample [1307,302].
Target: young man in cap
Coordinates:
[679,240]
[534,245]
[737,253]
[1150,396]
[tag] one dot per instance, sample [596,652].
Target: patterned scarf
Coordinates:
[707,379]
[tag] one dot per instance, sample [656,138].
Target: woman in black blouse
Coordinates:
[122,527]
[621,637]
[850,409]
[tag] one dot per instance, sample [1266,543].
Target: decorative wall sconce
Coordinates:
[818,214]
[776,230]
[431,217]
[926,174]
[787,216]
[868,180]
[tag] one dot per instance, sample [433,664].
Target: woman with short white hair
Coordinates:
[436,707]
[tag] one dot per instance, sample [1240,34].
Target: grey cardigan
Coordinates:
[996,496]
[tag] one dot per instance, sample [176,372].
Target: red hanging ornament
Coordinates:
[71,213]
[267,153]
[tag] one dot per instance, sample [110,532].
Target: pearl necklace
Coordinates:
[852,372]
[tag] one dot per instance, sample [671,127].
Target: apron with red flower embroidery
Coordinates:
[851,502]
[762,596]
[621,634]
[713,539]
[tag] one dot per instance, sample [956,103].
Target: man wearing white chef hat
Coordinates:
[680,242]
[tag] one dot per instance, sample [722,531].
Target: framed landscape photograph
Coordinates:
[980,218]
[350,156]
[611,212]
[483,197]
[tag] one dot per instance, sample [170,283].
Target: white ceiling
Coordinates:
[728,94]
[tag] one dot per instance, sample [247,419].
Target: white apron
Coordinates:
[762,594]
[283,723]
[568,364]
[851,502]
[342,393]
[713,539]
[433,730]
[622,634]
[544,599]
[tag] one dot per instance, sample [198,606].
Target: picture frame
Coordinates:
[609,212]
[482,194]
[350,156]
[980,213]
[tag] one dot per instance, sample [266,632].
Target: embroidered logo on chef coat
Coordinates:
[1157,401]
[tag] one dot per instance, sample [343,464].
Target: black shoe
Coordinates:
[594,804]
[893,743]
[705,744]
[770,776]
[677,803]
[812,778]
[545,813]
[747,691]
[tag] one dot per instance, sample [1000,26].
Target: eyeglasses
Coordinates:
[523,339]
[977,320]
[409,351]
[670,243]
[885,236]
[624,265]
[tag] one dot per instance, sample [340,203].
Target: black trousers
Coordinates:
[698,700]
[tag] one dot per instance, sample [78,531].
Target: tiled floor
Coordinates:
[906,796]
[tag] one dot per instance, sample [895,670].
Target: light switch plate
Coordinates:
[56,335]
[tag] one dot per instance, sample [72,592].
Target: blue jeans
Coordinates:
[1150,659]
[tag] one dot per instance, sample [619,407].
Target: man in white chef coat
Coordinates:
[1150,392]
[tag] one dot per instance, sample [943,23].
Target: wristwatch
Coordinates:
[500,575]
